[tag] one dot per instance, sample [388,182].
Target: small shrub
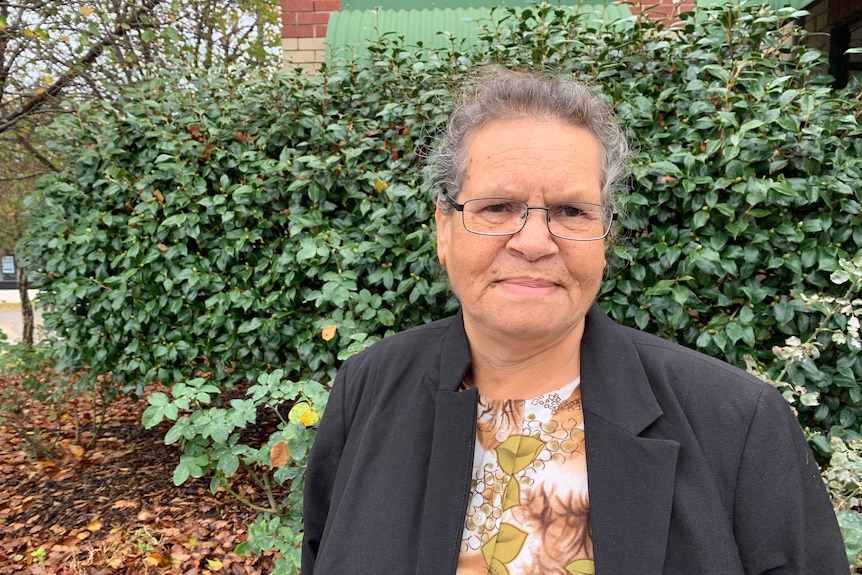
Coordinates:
[798,370]
[32,385]
[843,477]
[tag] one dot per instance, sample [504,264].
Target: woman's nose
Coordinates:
[534,240]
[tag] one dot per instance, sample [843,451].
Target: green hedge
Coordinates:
[210,233]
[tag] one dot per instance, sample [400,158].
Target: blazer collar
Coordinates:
[455,358]
[616,388]
[614,384]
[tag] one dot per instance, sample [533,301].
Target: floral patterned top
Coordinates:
[529,505]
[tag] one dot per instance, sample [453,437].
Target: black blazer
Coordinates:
[694,466]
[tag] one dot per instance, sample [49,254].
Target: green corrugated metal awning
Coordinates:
[349,5]
[798,4]
[435,25]
[349,29]
[775,4]
[441,4]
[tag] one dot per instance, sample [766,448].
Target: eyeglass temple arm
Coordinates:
[451,201]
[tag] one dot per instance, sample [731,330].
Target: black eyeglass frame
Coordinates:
[460,208]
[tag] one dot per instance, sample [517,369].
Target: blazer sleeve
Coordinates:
[783,518]
[320,473]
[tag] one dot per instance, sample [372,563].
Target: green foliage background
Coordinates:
[206,230]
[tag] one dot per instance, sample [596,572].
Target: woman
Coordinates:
[530,433]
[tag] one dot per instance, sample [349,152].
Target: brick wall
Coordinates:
[659,8]
[303,31]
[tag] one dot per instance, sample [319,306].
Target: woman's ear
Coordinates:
[443,221]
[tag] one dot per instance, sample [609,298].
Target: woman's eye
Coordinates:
[569,211]
[501,208]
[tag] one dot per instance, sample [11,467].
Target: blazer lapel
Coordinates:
[448,482]
[631,478]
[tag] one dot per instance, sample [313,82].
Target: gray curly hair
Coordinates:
[497,93]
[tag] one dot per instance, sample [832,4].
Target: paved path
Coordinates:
[10,314]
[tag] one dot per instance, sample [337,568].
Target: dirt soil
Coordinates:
[111,508]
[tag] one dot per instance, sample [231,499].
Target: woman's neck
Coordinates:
[522,370]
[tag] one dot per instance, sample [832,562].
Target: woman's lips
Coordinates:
[527,286]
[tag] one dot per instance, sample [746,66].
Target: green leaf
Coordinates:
[153,416]
[664,167]
[734,332]
[385,317]
[250,325]
[181,473]
[175,220]
[700,219]
[175,433]
[228,464]
[158,399]
[850,523]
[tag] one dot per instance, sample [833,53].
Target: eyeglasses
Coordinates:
[581,221]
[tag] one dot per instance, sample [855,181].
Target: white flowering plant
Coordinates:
[829,360]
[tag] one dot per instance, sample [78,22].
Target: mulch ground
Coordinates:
[111,508]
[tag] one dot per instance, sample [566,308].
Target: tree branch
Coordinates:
[38,99]
[37,154]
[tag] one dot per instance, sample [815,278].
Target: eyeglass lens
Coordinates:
[500,216]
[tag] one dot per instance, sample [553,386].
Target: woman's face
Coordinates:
[530,286]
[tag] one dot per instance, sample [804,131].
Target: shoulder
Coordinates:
[687,385]
[689,370]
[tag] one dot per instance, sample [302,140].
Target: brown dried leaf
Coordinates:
[179,554]
[328,331]
[279,454]
[154,559]
[71,540]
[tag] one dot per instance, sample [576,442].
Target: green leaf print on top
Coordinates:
[582,567]
[503,548]
[514,455]
[518,452]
